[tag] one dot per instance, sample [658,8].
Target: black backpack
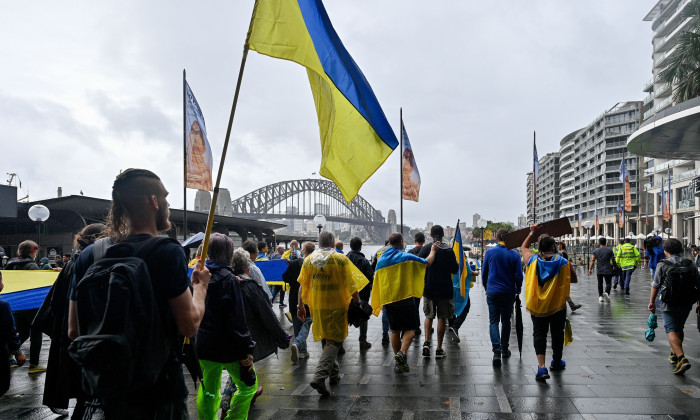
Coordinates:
[681,283]
[122,346]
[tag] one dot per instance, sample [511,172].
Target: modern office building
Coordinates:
[664,120]
[475,219]
[528,194]
[589,165]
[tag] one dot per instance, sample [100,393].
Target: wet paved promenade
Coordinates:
[612,372]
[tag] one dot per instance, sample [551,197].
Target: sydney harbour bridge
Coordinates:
[301,200]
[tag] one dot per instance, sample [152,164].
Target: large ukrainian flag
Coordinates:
[27,289]
[356,137]
[398,276]
[462,279]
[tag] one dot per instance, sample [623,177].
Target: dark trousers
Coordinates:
[500,310]
[625,279]
[363,332]
[555,325]
[4,372]
[275,290]
[457,321]
[171,410]
[608,281]
[23,320]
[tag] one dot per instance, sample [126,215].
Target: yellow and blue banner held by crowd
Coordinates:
[462,279]
[27,289]
[356,137]
[398,276]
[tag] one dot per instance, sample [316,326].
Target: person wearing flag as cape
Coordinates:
[328,282]
[548,277]
[398,280]
[461,283]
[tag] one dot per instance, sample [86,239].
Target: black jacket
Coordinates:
[291,277]
[365,267]
[223,335]
[262,321]
[22,264]
[438,277]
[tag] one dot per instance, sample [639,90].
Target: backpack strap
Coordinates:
[99,249]
[152,244]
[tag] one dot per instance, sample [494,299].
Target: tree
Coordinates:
[683,70]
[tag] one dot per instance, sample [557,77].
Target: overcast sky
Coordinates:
[90,88]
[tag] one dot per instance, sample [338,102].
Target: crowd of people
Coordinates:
[126,280]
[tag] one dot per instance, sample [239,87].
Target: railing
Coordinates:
[663,104]
[674,178]
[662,89]
[666,165]
[648,98]
[649,113]
[659,60]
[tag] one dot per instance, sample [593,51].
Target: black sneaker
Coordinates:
[341,350]
[505,354]
[426,349]
[496,360]
[615,286]
[385,340]
[439,353]
[454,335]
[627,291]
[321,388]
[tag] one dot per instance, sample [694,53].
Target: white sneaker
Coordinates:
[600,299]
[606,297]
[295,353]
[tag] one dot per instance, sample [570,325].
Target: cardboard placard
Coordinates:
[555,228]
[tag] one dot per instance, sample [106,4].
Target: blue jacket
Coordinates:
[502,271]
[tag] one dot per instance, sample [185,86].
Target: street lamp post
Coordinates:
[588,224]
[38,213]
[320,222]
[481,223]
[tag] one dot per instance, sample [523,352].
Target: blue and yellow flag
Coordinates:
[356,137]
[462,279]
[398,276]
[27,289]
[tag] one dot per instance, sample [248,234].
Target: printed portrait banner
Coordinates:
[409,170]
[199,158]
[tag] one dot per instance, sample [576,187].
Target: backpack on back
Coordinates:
[122,346]
[681,283]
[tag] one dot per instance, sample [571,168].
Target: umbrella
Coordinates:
[519,324]
[190,360]
[193,240]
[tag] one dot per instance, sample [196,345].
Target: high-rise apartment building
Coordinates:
[548,188]
[475,219]
[667,24]
[589,167]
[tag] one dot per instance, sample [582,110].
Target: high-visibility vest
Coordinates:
[627,256]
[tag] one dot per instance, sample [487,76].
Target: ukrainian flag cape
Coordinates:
[356,137]
[547,285]
[398,276]
[328,280]
[462,279]
[27,289]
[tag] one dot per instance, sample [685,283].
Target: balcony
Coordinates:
[666,165]
[663,91]
[675,178]
[661,59]
[659,29]
[665,103]
[648,98]
[664,43]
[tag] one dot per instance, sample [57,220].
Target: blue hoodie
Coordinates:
[502,271]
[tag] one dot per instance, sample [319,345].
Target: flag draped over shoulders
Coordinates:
[328,280]
[398,276]
[462,279]
[356,137]
[547,285]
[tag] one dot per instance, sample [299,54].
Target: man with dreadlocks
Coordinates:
[139,212]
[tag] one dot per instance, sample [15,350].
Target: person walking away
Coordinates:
[655,252]
[617,278]
[328,282]
[278,253]
[419,242]
[9,343]
[502,277]
[223,339]
[399,279]
[677,282]
[438,292]
[562,251]
[63,375]
[25,260]
[627,258]
[604,260]
[358,259]
[301,329]
[548,278]
[252,248]
[457,321]
[385,319]
[139,211]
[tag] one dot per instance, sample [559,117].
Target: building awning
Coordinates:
[673,133]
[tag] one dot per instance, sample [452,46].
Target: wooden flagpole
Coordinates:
[210,220]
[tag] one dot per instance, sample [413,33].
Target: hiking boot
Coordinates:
[295,353]
[673,359]
[36,369]
[454,335]
[320,386]
[426,349]
[681,366]
[542,374]
[557,365]
[365,345]
[606,297]
[496,361]
[505,354]
[385,340]
[573,305]
[439,353]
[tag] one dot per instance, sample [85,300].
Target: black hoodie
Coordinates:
[22,264]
